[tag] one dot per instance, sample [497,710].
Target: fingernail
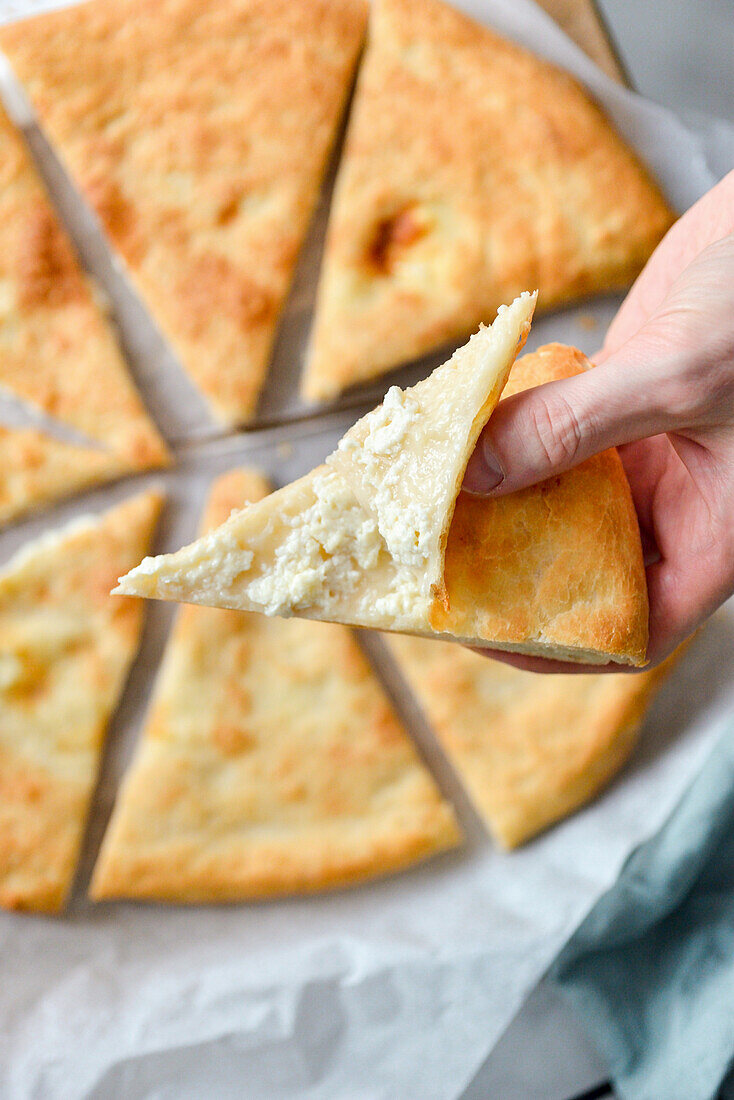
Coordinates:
[483,472]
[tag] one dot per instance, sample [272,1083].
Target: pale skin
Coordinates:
[663,393]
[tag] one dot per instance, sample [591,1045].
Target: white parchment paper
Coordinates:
[397,989]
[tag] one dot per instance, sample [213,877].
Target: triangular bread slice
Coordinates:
[555,570]
[200,134]
[36,469]
[271,763]
[65,649]
[57,349]
[530,749]
[471,169]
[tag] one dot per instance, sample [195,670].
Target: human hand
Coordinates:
[663,393]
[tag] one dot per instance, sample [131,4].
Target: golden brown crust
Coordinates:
[199,132]
[57,349]
[472,170]
[530,749]
[36,469]
[271,763]
[65,649]
[558,564]
[40,817]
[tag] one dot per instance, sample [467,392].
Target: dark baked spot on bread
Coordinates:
[232,739]
[118,217]
[229,207]
[391,237]
[48,274]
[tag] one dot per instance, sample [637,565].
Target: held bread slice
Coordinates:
[271,763]
[65,649]
[471,169]
[530,749]
[405,460]
[57,349]
[555,570]
[199,132]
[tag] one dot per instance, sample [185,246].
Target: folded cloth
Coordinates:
[650,971]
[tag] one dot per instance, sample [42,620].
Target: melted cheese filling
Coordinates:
[404,525]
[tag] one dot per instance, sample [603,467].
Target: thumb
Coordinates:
[543,431]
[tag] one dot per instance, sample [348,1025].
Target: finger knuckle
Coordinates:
[698,393]
[681,394]
[558,430]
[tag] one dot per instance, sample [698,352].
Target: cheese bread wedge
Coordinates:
[271,763]
[530,749]
[36,468]
[555,570]
[65,649]
[471,169]
[199,132]
[58,352]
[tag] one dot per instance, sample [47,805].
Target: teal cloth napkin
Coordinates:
[650,972]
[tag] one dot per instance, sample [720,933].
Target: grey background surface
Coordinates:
[678,52]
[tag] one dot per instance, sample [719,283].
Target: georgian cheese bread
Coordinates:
[36,469]
[271,763]
[65,649]
[471,169]
[530,749]
[58,352]
[556,570]
[199,132]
